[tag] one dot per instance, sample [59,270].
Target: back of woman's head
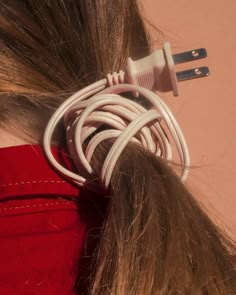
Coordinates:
[155,238]
[51,49]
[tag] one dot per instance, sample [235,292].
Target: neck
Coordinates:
[8,139]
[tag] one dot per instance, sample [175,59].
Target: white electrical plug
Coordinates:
[157,71]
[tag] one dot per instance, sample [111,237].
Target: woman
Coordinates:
[150,236]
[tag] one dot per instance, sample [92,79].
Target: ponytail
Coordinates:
[156,239]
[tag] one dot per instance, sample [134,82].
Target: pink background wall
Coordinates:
[206,107]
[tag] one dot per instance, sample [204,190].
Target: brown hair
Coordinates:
[155,238]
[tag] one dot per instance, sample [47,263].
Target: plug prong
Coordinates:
[192,74]
[189,55]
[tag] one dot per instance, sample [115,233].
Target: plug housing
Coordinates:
[157,71]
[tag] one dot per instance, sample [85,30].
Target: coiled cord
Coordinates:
[126,120]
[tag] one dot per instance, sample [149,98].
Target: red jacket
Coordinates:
[44,222]
[44,225]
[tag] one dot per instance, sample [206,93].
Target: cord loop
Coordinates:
[122,119]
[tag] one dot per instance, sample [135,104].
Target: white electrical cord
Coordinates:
[126,120]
